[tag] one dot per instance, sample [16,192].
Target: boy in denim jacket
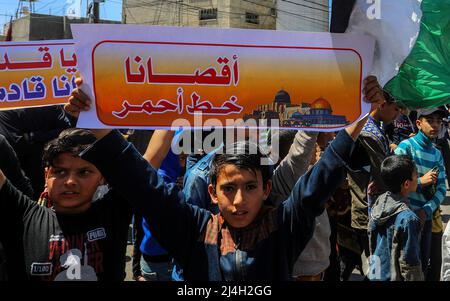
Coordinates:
[393,227]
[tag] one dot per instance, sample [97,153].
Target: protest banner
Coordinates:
[34,74]
[150,76]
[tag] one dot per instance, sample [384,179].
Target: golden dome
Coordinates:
[321,103]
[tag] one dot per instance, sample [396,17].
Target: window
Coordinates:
[273,12]
[251,18]
[208,14]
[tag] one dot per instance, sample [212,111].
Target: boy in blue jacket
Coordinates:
[246,240]
[394,229]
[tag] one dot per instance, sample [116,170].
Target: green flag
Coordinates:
[423,80]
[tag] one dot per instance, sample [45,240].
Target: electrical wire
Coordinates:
[303,5]
[287,12]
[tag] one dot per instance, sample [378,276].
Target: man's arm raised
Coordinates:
[373,94]
[158,147]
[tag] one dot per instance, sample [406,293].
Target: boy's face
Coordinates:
[240,194]
[410,185]
[430,125]
[413,183]
[71,183]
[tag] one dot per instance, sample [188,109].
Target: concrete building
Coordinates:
[34,27]
[259,14]
[303,15]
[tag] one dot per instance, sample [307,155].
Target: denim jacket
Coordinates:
[394,232]
[196,181]
[315,257]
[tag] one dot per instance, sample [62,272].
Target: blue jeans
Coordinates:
[156,271]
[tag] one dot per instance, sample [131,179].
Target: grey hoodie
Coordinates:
[386,206]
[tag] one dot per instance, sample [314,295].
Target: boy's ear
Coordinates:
[212,194]
[46,170]
[102,181]
[267,189]
[418,123]
[406,184]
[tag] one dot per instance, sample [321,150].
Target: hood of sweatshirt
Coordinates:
[386,206]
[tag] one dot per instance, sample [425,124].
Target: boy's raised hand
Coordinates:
[79,101]
[373,94]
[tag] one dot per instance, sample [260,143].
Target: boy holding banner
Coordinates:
[246,240]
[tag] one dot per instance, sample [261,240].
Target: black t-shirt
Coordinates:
[400,129]
[86,246]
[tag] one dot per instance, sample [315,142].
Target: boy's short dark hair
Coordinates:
[395,170]
[390,100]
[388,97]
[72,141]
[244,155]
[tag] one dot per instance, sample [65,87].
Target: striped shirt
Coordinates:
[426,156]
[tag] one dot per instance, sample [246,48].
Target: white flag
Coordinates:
[394,24]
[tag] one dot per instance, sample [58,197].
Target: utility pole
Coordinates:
[32,5]
[124,11]
[179,12]
[94,11]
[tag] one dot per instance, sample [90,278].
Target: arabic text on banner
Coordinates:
[36,73]
[161,74]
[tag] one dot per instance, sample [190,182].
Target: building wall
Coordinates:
[35,27]
[265,10]
[21,29]
[229,13]
[45,27]
[303,15]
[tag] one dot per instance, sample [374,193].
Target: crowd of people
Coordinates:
[367,197]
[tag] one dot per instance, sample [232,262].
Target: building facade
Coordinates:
[252,14]
[36,27]
[303,15]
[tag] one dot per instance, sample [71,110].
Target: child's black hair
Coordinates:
[244,155]
[395,170]
[72,141]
